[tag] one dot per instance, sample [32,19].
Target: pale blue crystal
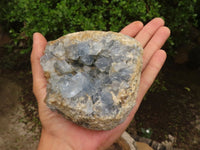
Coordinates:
[71,87]
[103,63]
[87,59]
[83,48]
[59,50]
[106,98]
[62,67]
[72,52]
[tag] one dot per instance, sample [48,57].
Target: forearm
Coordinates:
[49,142]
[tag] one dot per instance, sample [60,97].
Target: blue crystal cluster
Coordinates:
[93,77]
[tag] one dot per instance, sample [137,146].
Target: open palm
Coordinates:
[59,133]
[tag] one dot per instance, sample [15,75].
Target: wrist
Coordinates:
[50,142]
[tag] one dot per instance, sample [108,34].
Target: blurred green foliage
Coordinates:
[56,18]
[180,16]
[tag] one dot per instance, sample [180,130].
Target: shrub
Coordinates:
[59,17]
[180,16]
[55,18]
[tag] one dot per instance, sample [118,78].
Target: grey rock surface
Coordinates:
[93,77]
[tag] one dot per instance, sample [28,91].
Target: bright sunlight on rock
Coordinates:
[93,77]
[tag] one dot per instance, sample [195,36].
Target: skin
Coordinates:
[59,133]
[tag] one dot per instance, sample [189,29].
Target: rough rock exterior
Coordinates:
[93,77]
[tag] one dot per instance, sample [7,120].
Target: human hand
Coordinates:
[59,133]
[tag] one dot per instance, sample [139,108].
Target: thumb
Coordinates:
[39,44]
[39,81]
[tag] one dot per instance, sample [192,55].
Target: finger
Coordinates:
[147,78]
[157,41]
[149,74]
[132,29]
[39,81]
[39,44]
[149,29]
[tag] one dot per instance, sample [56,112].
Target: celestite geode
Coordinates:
[93,77]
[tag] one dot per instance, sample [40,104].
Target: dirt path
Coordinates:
[14,133]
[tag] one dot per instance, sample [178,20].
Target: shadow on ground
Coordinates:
[174,111]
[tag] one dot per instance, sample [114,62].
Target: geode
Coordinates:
[93,77]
